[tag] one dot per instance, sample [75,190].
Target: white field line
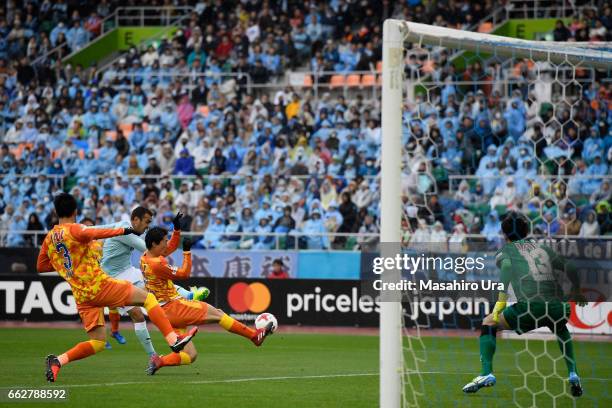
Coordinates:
[228,381]
[283,378]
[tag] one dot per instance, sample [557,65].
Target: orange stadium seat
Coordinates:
[368,80]
[126,128]
[17,151]
[337,81]
[203,110]
[353,80]
[485,28]
[428,66]
[516,71]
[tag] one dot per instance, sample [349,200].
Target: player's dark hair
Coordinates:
[65,205]
[140,212]
[515,226]
[87,219]
[155,235]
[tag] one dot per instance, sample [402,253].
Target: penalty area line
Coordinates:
[227,381]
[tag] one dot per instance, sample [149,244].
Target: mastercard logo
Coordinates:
[243,297]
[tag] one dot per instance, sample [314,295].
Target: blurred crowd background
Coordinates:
[175,125]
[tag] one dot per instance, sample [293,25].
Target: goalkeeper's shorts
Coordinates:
[523,317]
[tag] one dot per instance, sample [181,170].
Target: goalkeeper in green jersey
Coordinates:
[529,267]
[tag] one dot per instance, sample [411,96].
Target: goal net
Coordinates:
[476,125]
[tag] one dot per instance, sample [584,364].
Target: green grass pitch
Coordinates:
[295,370]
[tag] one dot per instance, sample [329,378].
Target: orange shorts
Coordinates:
[183,313]
[114,293]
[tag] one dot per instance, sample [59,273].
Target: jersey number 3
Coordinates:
[61,247]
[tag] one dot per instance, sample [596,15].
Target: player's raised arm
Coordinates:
[161,268]
[176,235]
[85,234]
[506,270]
[133,241]
[43,263]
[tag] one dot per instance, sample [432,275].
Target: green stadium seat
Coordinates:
[501,209]
[350,243]
[70,182]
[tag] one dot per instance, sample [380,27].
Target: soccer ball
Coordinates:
[263,319]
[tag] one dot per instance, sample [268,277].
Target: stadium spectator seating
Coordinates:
[252,162]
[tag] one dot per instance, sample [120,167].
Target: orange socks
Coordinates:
[81,350]
[232,325]
[159,318]
[114,317]
[175,359]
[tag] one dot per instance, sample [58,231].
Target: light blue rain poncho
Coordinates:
[214,233]
[492,230]
[315,231]
[526,171]
[489,176]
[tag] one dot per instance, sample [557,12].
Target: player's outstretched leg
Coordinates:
[82,350]
[185,357]
[257,336]
[115,317]
[185,294]
[194,292]
[141,331]
[487,341]
[158,317]
[564,338]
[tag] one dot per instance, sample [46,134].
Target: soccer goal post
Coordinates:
[397,91]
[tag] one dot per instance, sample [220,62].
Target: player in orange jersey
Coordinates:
[68,249]
[113,313]
[159,277]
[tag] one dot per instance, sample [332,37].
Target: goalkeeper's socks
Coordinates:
[144,338]
[159,318]
[186,294]
[114,317]
[564,338]
[487,348]
[232,325]
[174,359]
[81,350]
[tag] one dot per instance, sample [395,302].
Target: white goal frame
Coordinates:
[395,33]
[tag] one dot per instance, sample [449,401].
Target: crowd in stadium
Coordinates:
[284,161]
